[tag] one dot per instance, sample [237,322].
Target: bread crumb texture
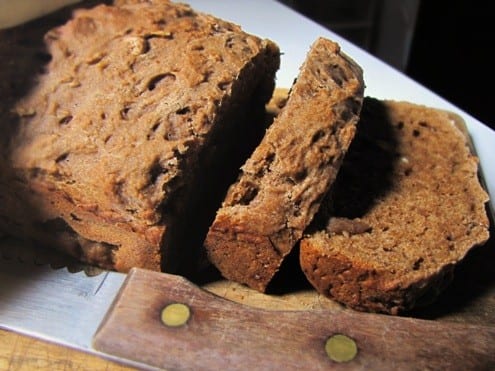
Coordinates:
[283,182]
[406,208]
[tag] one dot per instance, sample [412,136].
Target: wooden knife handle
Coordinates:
[201,331]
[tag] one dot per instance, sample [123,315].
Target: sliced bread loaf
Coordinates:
[406,208]
[283,182]
[124,135]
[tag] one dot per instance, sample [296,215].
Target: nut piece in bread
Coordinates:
[406,207]
[283,182]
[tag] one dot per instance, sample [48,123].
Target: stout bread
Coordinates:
[124,134]
[406,207]
[283,182]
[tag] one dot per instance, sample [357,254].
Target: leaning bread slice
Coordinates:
[406,208]
[124,135]
[281,185]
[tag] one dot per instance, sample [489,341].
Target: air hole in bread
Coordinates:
[124,112]
[229,42]
[153,130]
[338,74]
[95,58]
[346,109]
[417,264]
[183,111]
[178,124]
[317,136]
[75,217]
[223,86]
[163,77]
[206,76]
[62,157]
[249,195]
[160,22]
[155,170]
[147,40]
[416,133]
[297,210]
[290,180]
[301,175]
[107,138]
[65,120]
[270,157]
[146,46]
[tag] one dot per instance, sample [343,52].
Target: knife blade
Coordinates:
[53,304]
[124,318]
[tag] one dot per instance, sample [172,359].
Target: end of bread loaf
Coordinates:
[405,210]
[125,133]
[283,182]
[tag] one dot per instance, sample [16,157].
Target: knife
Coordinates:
[152,320]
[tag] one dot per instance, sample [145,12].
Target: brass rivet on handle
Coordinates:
[175,315]
[341,348]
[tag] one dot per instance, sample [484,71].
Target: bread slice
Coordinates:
[125,133]
[282,184]
[406,208]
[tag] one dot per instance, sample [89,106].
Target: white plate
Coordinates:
[295,33]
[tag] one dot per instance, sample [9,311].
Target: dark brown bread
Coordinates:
[111,152]
[406,208]
[281,185]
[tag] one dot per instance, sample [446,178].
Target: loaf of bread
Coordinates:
[406,207]
[281,185]
[134,125]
